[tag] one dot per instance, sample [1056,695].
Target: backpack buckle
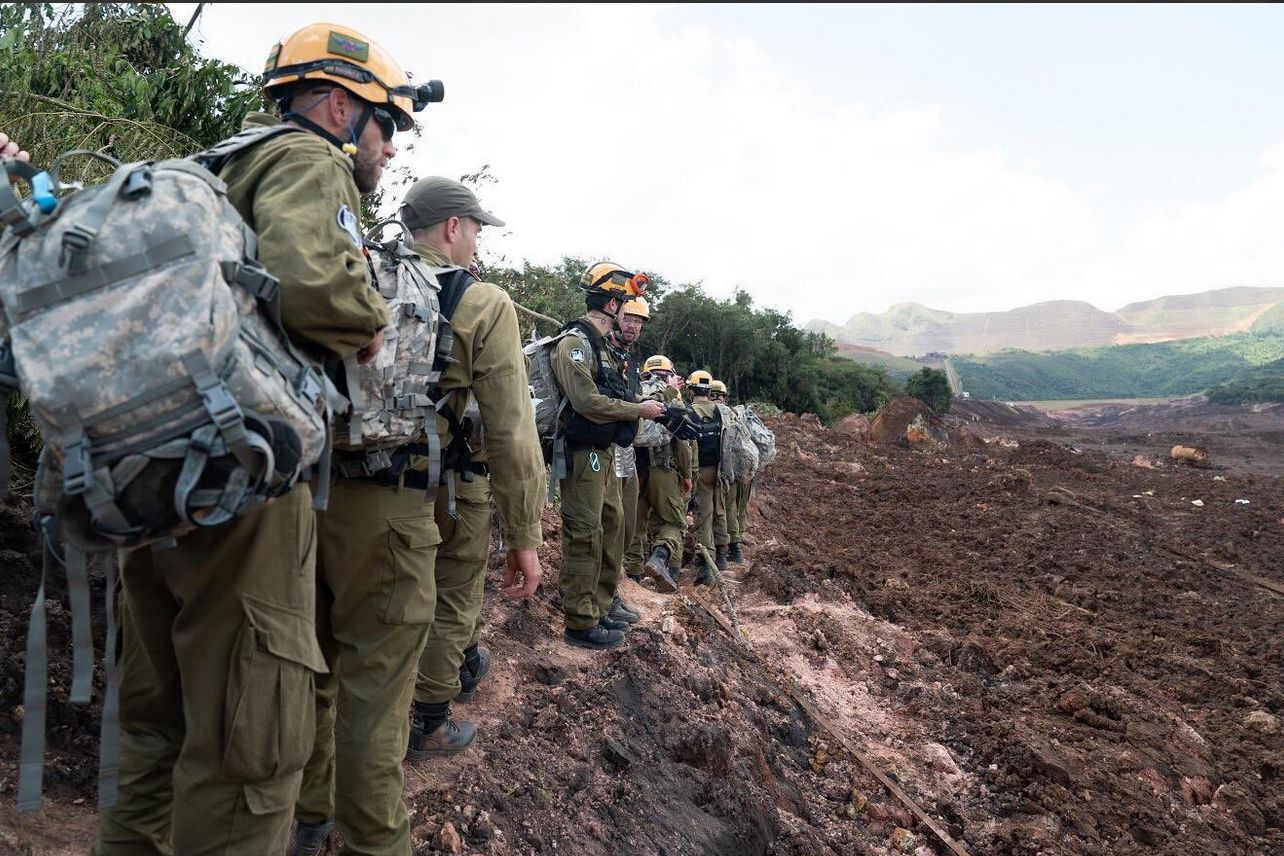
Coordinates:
[255,279]
[77,467]
[413,310]
[221,406]
[76,242]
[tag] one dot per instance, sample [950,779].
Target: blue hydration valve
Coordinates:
[42,192]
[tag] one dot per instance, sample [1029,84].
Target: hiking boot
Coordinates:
[610,624]
[705,576]
[596,637]
[309,839]
[475,666]
[621,611]
[433,733]
[657,567]
[720,557]
[733,552]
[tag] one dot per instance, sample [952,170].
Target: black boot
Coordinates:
[720,557]
[704,577]
[657,567]
[596,637]
[475,666]
[621,611]
[434,733]
[733,552]
[607,623]
[309,839]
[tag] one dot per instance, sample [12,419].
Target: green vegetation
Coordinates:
[931,387]
[1257,385]
[1117,371]
[757,352]
[1271,321]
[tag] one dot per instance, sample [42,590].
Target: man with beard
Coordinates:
[219,639]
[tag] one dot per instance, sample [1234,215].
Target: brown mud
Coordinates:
[1050,649]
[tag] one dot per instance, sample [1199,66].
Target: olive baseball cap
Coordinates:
[434,199]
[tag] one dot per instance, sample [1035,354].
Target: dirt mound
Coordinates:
[908,422]
[855,425]
[969,410]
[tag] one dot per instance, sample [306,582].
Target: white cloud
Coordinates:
[616,132]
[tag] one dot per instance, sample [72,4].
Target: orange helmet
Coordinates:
[610,278]
[343,56]
[701,382]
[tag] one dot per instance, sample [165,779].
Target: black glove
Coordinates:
[675,420]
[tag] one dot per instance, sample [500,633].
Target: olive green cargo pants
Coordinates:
[375,599]
[666,506]
[591,524]
[711,525]
[461,579]
[738,509]
[633,506]
[219,657]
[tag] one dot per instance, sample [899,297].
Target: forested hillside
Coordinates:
[758,352]
[1117,371]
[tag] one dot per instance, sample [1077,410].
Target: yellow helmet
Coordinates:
[343,56]
[610,278]
[637,306]
[700,381]
[718,386]
[657,362]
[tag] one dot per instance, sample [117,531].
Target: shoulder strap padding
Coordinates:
[218,156]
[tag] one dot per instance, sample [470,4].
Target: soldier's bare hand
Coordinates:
[686,485]
[523,574]
[368,353]
[675,381]
[651,409]
[9,149]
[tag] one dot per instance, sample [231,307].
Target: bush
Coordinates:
[931,387]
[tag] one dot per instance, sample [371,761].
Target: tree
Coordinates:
[931,387]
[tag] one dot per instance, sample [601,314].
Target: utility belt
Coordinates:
[388,468]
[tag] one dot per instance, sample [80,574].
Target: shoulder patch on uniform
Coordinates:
[577,355]
[348,222]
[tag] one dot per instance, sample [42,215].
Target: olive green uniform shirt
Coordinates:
[576,378]
[304,184]
[488,360]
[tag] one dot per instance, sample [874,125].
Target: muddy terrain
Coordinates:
[1046,647]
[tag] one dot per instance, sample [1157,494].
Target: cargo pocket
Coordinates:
[409,588]
[269,712]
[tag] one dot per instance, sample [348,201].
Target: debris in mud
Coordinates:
[1194,456]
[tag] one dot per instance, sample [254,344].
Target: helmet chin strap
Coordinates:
[355,128]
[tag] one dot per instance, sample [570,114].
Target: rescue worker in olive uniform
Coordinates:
[737,498]
[711,524]
[666,483]
[623,339]
[601,412]
[446,219]
[219,651]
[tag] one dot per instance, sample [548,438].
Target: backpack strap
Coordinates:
[456,457]
[217,157]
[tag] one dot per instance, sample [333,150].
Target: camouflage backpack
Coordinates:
[739,453]
[394,398]
[147,338]
[652,434]
[763,437]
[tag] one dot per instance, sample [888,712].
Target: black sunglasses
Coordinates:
[387,124]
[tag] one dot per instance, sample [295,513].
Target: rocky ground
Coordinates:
[1050,648]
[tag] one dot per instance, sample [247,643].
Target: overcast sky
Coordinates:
[835,159]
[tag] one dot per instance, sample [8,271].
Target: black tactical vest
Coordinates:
[709,443]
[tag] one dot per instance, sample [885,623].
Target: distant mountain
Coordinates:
[911,329]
